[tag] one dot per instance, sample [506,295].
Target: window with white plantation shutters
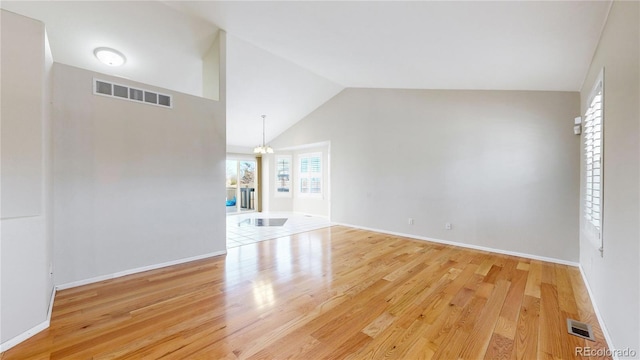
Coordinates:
[593,147]
[310,174]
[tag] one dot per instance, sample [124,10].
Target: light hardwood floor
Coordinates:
[334,293]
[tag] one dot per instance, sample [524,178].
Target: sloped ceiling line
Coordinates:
[286,58]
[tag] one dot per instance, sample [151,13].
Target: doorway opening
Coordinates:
[241,186]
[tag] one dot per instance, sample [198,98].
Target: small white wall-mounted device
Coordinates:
[577,125]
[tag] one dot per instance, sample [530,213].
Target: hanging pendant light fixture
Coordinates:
[263,149]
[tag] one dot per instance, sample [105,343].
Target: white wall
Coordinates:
[211,71]
[501,166]
[25,246]
[135,185]
[22,170]
[615,277]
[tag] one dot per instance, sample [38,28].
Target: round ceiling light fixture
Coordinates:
[109,56]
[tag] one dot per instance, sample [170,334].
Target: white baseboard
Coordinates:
[469,246]
[51,300]
[45,324]
[24,336]
[136,270]
[34,330]
[605,332]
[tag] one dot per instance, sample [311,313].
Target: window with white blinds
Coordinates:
[593,147]
[310,174]
[283,175]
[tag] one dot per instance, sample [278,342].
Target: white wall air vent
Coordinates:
[107,88]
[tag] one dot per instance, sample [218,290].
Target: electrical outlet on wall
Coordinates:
[447,226]
[410,221]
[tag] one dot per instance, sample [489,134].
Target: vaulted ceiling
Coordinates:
[507,45]
[286,58]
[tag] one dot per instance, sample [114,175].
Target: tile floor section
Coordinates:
[241,228]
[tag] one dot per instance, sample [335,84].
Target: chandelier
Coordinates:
[263,149]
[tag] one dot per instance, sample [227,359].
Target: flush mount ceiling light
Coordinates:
[109,56]
[263,149]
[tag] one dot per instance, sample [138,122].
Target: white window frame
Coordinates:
[288,158]
[309,175]
[593,141]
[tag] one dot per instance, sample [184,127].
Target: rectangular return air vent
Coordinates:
[106,88]
[580,329]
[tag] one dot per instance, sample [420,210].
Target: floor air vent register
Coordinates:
[580,329]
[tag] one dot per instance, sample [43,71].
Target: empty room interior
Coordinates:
[320,180]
